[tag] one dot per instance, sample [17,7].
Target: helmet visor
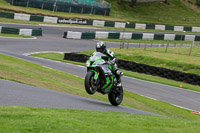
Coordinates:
[99,49]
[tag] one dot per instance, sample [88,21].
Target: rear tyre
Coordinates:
[89,83]
[116,96]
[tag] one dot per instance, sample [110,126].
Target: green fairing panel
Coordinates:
[110,84]
[95,74]
[107,83]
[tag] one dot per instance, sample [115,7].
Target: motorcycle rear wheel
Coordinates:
[89,83]
[115,97]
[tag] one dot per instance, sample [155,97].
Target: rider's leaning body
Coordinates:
[101,47]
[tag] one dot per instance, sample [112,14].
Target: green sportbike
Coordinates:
[99,78]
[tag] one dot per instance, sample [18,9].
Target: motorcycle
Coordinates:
[99,78]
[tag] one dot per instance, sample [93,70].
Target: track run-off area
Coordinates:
[12,93]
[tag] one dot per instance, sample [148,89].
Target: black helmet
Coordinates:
[101,46]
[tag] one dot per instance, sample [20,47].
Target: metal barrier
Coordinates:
[131,35]
[21,31]
[101,23]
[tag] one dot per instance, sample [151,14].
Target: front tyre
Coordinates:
[90,86]
[116,96]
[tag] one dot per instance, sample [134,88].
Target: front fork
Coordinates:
[108,83]
[96,75]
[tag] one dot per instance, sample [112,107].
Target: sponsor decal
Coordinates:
[72,21]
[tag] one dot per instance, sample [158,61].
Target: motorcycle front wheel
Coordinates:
[116,96]
[90,87]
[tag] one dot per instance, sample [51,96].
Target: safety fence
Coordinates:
[187,48]
[130,35]
[25,32]
[100,23]
[143,68]
[71,6]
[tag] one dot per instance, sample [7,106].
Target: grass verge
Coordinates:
[147,12]
[151,41]
[176,58]
[13,35]
[26,119]
[59,57]
[36,75]
[6,20]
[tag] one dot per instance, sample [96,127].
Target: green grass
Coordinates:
[145,30]
[176,58]
[13,35]
[149,12]
[5,6]
[26,119]
[150,41]
[6,20]
[59,57]
[46,12]
[32,74]
[173,14]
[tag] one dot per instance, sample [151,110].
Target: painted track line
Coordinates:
[18,38]
[163,84]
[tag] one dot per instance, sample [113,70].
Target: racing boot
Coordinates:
[119,84]
[118,76]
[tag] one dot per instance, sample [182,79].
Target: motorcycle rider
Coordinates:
[101,47]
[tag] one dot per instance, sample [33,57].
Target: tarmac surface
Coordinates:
[52,41]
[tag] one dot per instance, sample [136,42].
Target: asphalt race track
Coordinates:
[52,41]
[16,94]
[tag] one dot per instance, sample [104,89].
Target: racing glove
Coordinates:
[112,62]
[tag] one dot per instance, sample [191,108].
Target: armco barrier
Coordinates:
[8,30]
[142,68]
[37,32]
[76,57]
[88,35]
[100,23]
[36,18]
[7,15]
[129,35]
[20,16]
[25,32]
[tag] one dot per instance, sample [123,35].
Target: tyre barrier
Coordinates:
[143,68]
[17,31]
[76,57]
[100,23]
[129,35]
